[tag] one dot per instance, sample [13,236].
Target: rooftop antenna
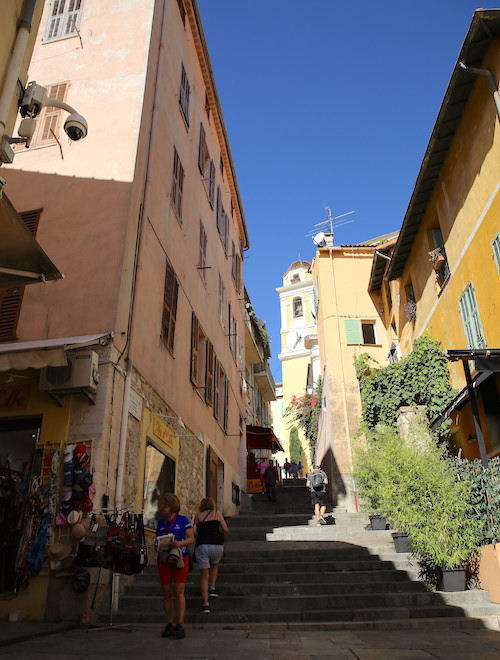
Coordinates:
[329,225]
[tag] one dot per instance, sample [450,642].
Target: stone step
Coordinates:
[285,588]
[351,578]
[418,615]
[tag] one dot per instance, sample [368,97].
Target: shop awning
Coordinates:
[22,260]
[45,352]
[261,437]
[461,400]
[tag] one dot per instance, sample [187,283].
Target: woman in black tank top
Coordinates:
[210,529]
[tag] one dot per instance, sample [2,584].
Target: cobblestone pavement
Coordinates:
[38,641]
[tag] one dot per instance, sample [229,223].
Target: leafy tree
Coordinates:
[296,451]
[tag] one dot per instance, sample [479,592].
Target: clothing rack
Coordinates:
[121,627]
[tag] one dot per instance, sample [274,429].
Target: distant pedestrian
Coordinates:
[263,465]
[210,529]
[300,468]
[317,481]
[270,478]
[294,470]
[286,467]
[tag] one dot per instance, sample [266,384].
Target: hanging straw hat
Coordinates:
[59,551]
[74,517]
[78,531]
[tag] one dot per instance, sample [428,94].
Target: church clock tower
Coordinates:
[299,352]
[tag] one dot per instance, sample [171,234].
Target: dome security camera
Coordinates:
[76,127]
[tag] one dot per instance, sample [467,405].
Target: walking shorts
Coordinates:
[208,555]
[318,497]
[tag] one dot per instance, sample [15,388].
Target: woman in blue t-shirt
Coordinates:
[173,578]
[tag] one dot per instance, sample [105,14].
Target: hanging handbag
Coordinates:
[96,533]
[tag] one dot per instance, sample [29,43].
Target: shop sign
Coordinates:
[135,405]
[14,398]
[164,432]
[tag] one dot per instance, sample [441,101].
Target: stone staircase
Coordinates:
[281,569]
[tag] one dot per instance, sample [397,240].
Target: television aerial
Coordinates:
[322,229]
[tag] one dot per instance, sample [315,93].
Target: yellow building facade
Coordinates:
[349,322]
[300,362]
[455,210]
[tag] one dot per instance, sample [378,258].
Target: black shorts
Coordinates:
[318,497]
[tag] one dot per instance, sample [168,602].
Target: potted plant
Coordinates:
[485,485]
[417,488]
[437,258]
[435,508]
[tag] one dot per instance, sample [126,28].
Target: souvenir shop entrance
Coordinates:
[18,438]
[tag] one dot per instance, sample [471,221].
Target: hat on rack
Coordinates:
[80,453]
[61,520]
[59,551]
[78,531]
[68,453]
[74,517]
[88,503]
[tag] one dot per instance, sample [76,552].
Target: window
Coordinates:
[49,124]
[222,299]
[198,355]
[184,93]
[441,267]
[471,320]
[233,331]
[297,308]
[177,185]
[64,19]
[410,305]
[222,220]
[206,166]
[235,266]
[360,332]
[182,10]
[169,307]
[202,255]
[220,395]
[11,299]
[495,244]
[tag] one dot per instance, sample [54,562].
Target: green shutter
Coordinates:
[353,334]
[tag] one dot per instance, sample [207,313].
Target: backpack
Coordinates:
[317,479]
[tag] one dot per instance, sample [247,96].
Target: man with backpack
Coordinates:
[317,481]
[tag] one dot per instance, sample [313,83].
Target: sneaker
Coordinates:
[168,630]
[318,524]
[212,593]
[205,609]
[322,521]
[178,632]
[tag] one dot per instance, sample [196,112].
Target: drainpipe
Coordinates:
[141,235]
[491,80]
[141,230]
[15,63]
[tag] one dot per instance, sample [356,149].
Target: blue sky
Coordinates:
[326,103]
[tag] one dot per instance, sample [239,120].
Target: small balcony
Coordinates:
[265,381]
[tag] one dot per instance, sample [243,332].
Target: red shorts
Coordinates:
[170,573]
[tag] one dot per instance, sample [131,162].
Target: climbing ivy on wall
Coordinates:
[305,411]
[421,379]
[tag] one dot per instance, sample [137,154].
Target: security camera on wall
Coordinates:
[76,127]
[319,239]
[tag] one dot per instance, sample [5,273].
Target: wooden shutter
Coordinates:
[11,299]
[169,307]
[353,334]
[194,349]
[209,375]
[471,320]
[202,147]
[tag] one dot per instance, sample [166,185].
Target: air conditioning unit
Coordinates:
[81,372]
